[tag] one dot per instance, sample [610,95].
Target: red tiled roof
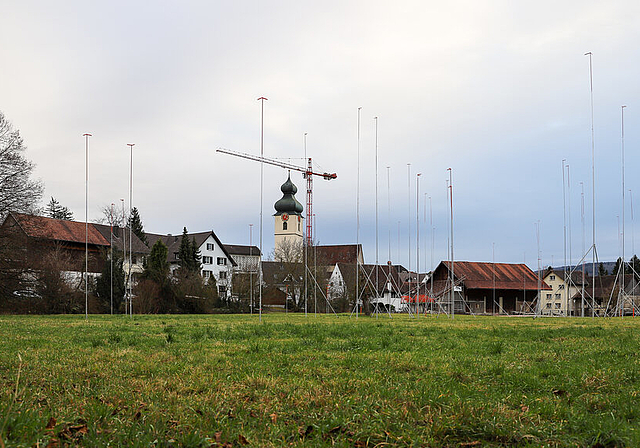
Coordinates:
[58,229]
[341,253]
[479,275]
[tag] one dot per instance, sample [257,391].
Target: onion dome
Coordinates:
[288,203]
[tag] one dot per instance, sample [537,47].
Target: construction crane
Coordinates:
[307,172]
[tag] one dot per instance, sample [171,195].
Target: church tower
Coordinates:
[288,225]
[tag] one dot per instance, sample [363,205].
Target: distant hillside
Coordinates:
[608,265]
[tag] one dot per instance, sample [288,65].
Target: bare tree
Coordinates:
[18,192]
[290,255]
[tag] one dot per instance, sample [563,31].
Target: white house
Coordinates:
[216,261]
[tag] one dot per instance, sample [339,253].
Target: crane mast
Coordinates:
[308,174]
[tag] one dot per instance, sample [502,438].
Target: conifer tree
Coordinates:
[185,254]
[602,271]
[135,222]
[103,283]
[157,266]
[196,256]
[56,211]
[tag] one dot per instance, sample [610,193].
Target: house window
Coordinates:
[561,286]
[222,261]
[552,278]
[207,260]
[557,296]
[176,256]
[549,296]
[222,289]
[223,275]
[206,274]
[211,246]
[558,305]
[284,226]
[549,305]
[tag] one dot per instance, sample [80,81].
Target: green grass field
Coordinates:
[200,381]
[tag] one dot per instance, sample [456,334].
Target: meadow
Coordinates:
[203,381]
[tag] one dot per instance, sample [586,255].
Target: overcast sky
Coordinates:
[496,90]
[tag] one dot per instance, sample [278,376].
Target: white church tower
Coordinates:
[288,219]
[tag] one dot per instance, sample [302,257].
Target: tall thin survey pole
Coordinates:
[621,289]
[262,100]
[357,267]
[593,192]
[377,258]
[418,244]
[250,268]
[633,237]
[564,234]
[130,145]
[453,303]
[86,225]
[409,217]
[305,240]
[583,247]
[389,211]
[124,249]
[111,253]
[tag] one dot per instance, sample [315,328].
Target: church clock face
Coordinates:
[285,217]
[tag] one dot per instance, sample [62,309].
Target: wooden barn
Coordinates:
[485,288]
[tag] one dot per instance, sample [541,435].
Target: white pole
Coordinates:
[633,245]
[377,258]
[432,244]
[621,289]
[389,210]
[111,252]
[250,269]
[583,246]
[262,100]
[593,192]
[409,221]
[418,244]
[86,225]
[539,304]
[305,243]
[124,252]
[357,292]
[569,218]
[493,276]
[564,232]
[453,303]
[130,145]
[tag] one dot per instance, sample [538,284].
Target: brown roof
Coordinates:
[59,230]
[385,272]
[479,275]
[237,249]
[137,246]
[576,276]
[340,253]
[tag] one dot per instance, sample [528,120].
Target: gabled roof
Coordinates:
[137,246]
[384,271]
[338,253]
[173,242]
[41,227]
[576,276]
[480,275]
[236,249]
